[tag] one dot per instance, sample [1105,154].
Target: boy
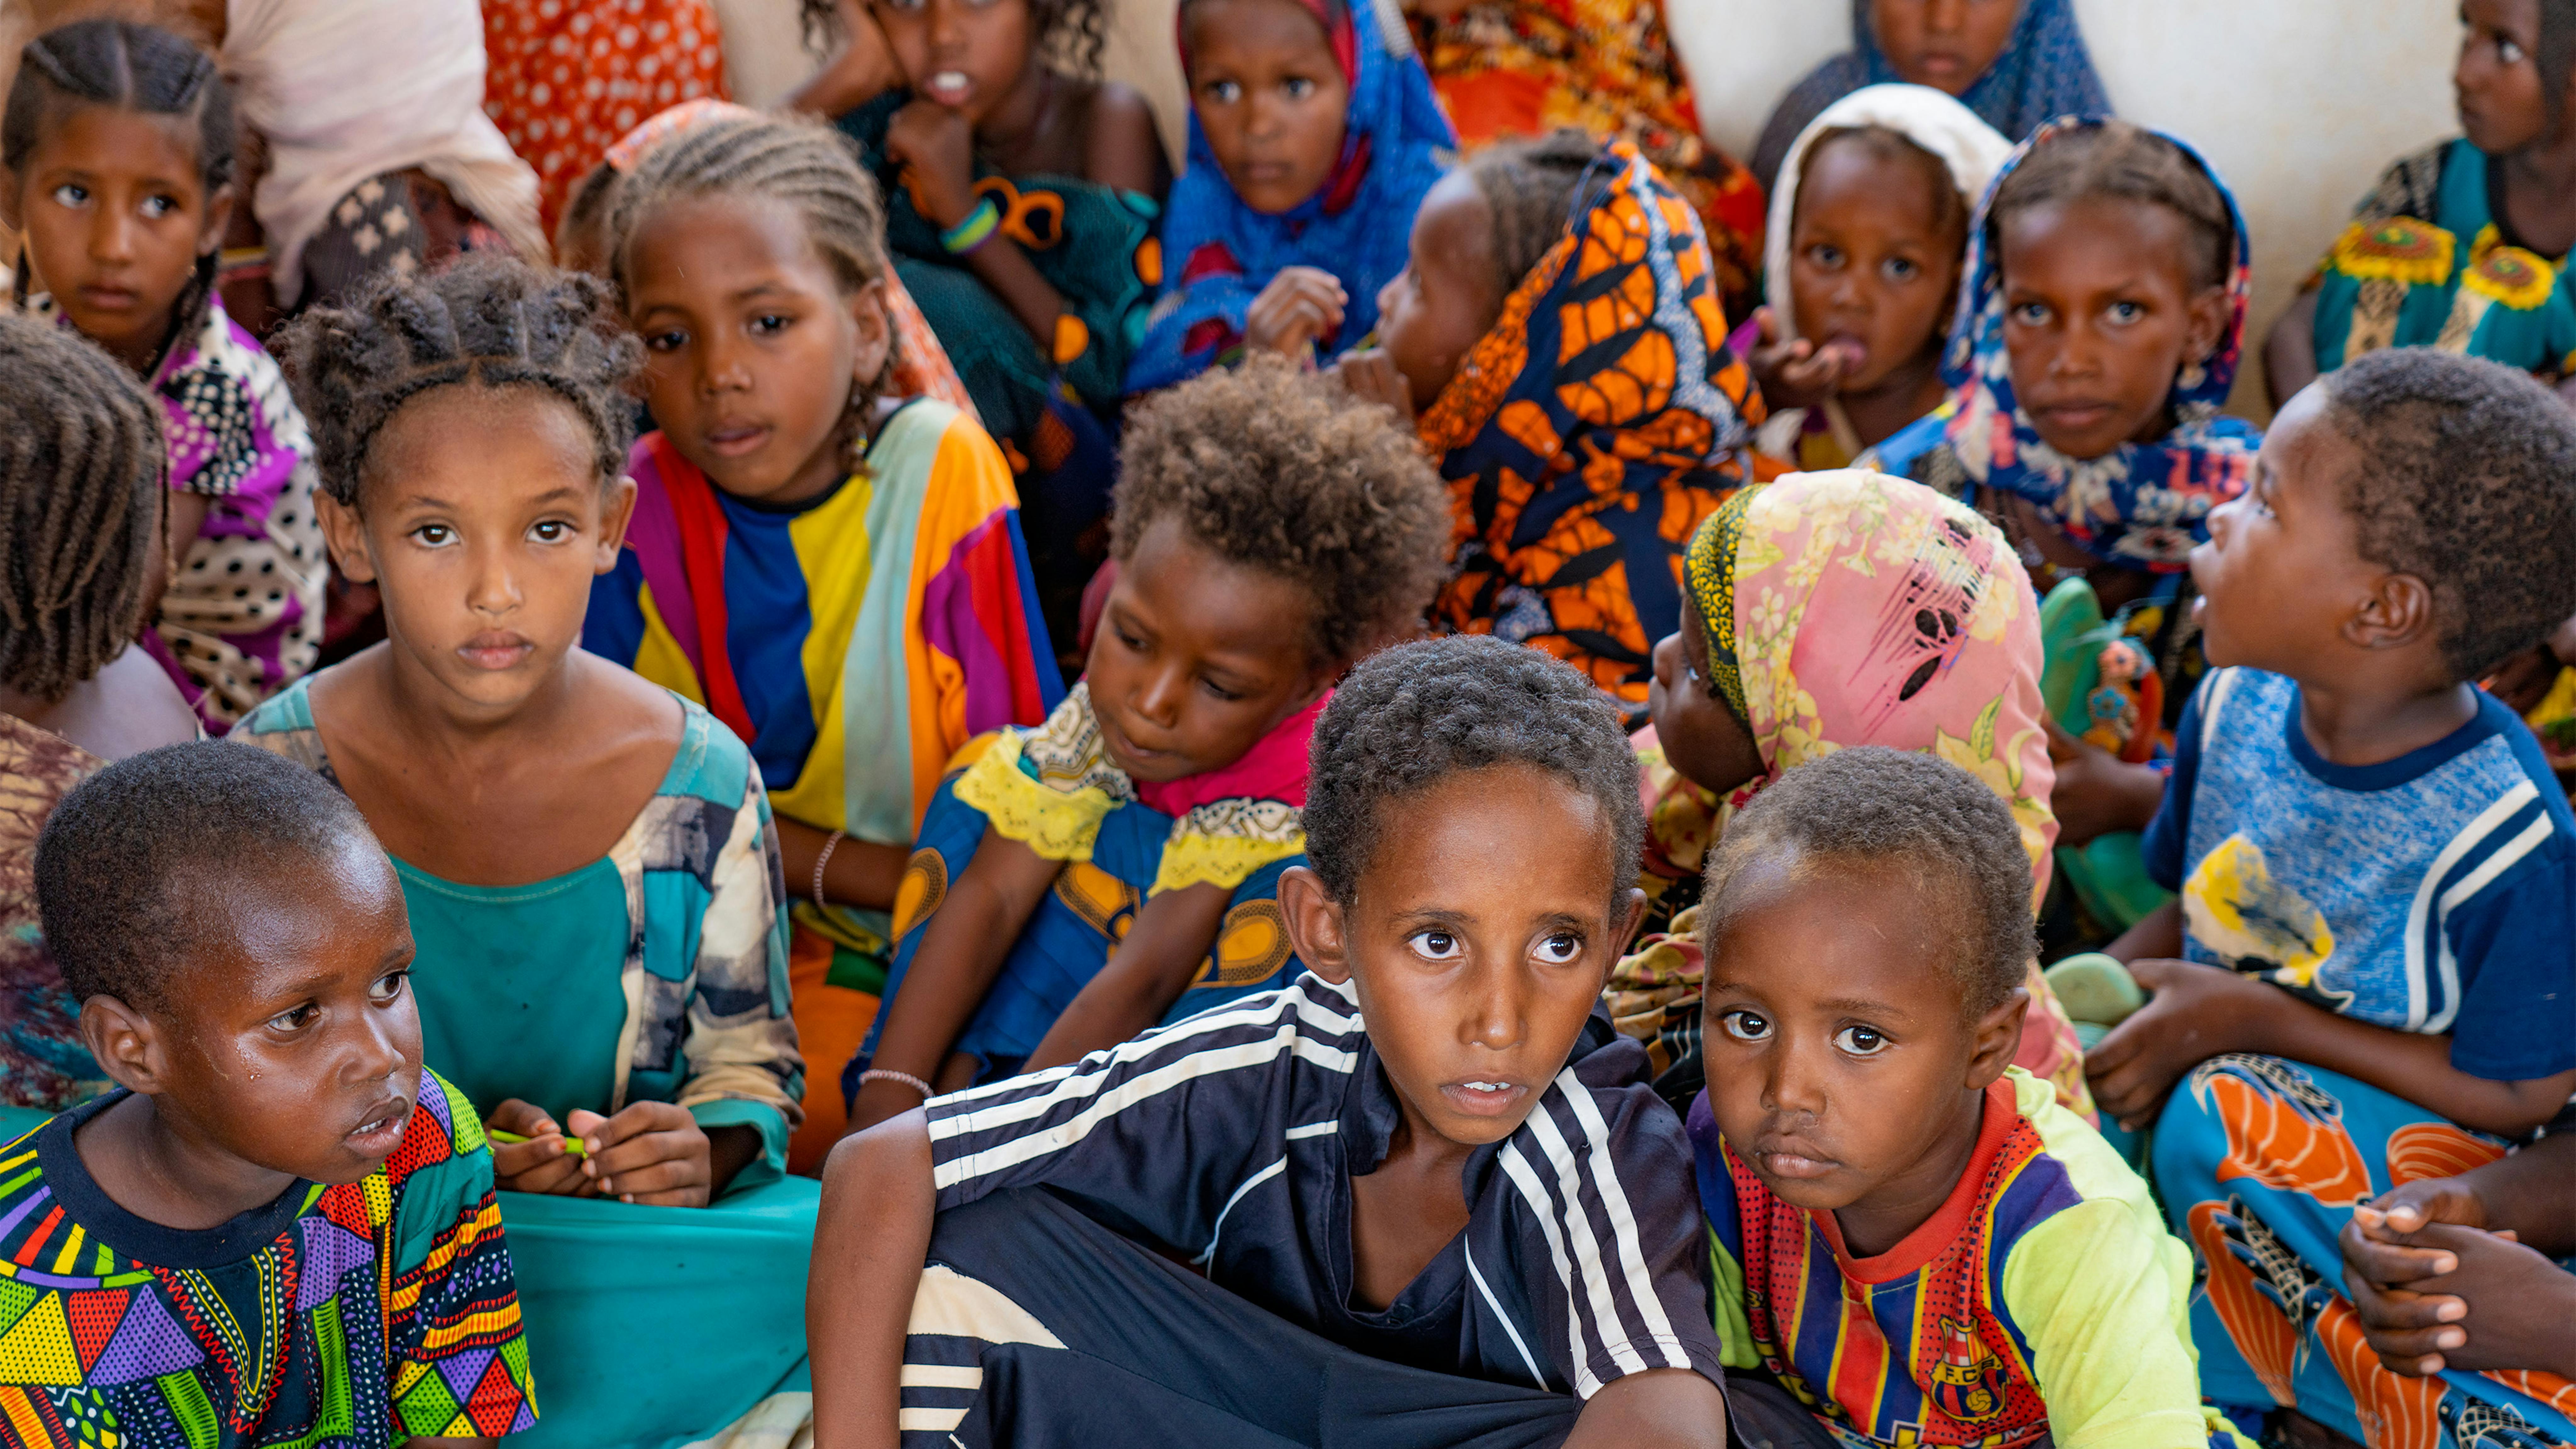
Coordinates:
[1433,1196]
[1912,1238]
[282,1229]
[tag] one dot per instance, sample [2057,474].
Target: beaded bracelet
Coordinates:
[821,861]
[890,1075]
[975,230]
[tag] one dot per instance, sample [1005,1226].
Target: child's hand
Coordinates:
[539,1164]
[652,1153]
[1793,374]
[1300,305]
[2456,1297]
[2097,793]
[935,146]
[1371,376]
[2193,1013]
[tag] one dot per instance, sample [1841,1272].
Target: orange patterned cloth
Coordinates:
[567,78]
[1591,430]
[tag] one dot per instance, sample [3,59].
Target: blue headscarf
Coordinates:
[2044,72]
[1219,253]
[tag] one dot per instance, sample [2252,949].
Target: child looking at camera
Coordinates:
[1863,1141]
[1119,865]
[1431,1194]
[237,942]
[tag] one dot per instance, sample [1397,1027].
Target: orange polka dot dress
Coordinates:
[567,78]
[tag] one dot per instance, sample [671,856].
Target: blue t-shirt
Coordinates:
[2435,892]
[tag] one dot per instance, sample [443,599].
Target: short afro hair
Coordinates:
[1279,469]
[1421,712]
[132,851]
[2467,480]
[1870,805]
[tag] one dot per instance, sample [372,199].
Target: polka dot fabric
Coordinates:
[567,78]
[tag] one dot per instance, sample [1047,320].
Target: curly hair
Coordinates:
[1871,805]
[129,859]
[1070,33]
[2467,480]
[2132,163]
[1415,715]
[1530,187]
[81,464]
[489,321]
[1279,469]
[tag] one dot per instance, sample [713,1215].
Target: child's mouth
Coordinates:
[734,442]
[1483,1099]
[495,650]
[949,87]
[382,1132]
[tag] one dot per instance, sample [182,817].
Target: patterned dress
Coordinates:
[567,78]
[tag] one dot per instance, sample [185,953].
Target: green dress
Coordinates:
[656,973]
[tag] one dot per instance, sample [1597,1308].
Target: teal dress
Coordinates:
[656,973]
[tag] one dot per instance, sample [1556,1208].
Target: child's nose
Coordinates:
[111,237]
[1791,1085]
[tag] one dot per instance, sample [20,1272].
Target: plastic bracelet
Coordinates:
[975,230]
[821,861]
[908,1079]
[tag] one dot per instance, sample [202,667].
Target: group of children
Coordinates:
[1296,1030]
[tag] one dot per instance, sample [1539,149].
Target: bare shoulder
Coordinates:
[1124,146]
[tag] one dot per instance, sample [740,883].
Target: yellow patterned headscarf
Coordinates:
[1708,580]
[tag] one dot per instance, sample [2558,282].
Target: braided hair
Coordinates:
[131,67]
[81,464]
[2130,162]
[1530,186]
[490,321]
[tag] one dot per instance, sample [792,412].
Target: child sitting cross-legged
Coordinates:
[280,1228]
[1912,1237]
[1433,1197]
[1118,865]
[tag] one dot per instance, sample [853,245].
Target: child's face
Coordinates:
[1270,97]
[1447,297]
[1701,737]
[289,1040]
[1869,273]
[752,349]
[484,523]
[2282,573]
[1479,937]
[1840,1064]
[1197,658]
[2100,313]
[963,54]
[1944,44]
[2503,98]
[116,216]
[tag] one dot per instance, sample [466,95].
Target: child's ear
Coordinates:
[2209,316]
[126,1044]
[9,216]
[2397,612]
[876,334]
[1315,924]
[347,535]
[1997,1036]
[616,511]
[1623,931]
[219,220]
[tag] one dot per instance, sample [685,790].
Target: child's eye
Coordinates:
[2508,53]
[1746,1025]
[388,988]
[670,340]
[71,195]
[2125,313]
[1435,945]
[1561,948]
[1224,92]
[551,530]
[1220,691]
[1860,1041]
[2031,314]
[1829,258]
[769,324]
[295,1018]
[434,535]
[1899,269]
[159,206]
[1299,88]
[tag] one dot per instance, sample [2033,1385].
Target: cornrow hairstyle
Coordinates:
[1530,187]
[2119,159]
[81,464]
[2467,480]
[135,863]
[1419,713]
[488,321]
[1274,468]
[1871,807]
[1949,208]
[133,68]
[585,217]
[797,160]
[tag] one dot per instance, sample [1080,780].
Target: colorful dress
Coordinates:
[340,1317]
[44,1063]
[1358,226]
[2044,72]
[1122,842]
[567,78]
[2042,1302]
[1590,431]
[1848,609]
[2431,893]
[2426,263]
[1519,69]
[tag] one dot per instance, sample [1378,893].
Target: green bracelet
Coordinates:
[975,230]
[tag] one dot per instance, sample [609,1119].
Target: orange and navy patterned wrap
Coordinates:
[1591,430]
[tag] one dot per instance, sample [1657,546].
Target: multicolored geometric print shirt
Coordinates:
[333,1318]
[2043,1300]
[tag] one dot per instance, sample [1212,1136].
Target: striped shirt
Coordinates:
[1230,1139]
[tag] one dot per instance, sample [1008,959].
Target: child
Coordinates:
[1577,464]
[80,501]
[280,1229]
[588,861]
[836,575]
[2377,872]
[1432,1196]
[1314,137]
[1868,225]
[1911,1237]
[119,145]
[1119,865]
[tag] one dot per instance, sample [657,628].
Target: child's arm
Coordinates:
[2157,937]
[1162,953]
[2290,352]
[936,147]
[2456,1272]
[863,69]
[869,1244]
[1657,1409]
[860,873]
[1125,147]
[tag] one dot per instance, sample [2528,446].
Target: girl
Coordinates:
[837,576]
[2016,63]
[1578,461]
[1314,137]
[587,861]
[80,500]
[1867,229]
[1789,649]
[2097,336]
[119,145]
[1126,856]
